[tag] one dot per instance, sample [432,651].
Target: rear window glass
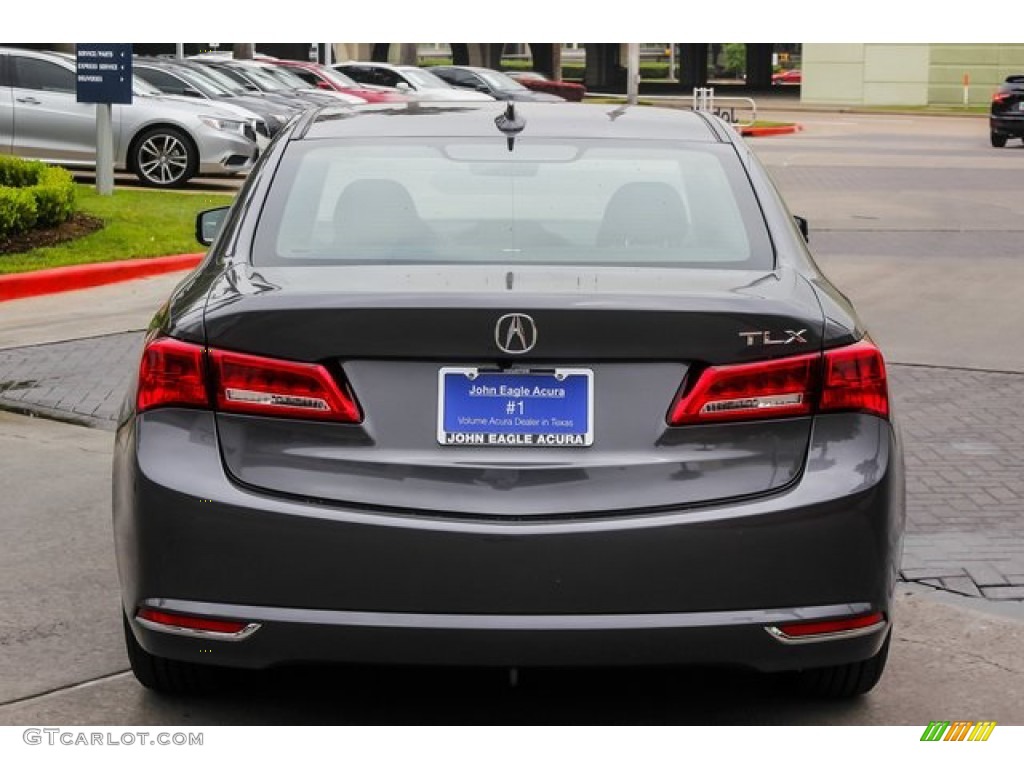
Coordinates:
[546,202]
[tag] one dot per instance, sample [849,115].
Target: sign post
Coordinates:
[104,77]
[632,72]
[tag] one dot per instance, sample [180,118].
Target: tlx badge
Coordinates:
[766,338]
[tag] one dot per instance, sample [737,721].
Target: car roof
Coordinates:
[380,64]
[238,63]
[295,63]
[59,55]
[161,62]
[467,68]
[461,119]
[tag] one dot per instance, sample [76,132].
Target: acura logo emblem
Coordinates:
[515,333]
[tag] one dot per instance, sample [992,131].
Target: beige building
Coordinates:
[906,75]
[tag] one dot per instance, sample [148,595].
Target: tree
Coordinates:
[736,58]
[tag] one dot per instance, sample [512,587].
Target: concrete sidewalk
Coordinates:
[80,314]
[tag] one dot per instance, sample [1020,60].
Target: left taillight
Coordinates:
[266,386]
[848,378]
[178,373]
[171,372]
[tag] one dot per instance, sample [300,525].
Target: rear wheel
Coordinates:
[845,681]
[998,139]
[165,675]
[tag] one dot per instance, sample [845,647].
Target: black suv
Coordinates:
[1007,118]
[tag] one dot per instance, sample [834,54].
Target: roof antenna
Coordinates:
[509,123]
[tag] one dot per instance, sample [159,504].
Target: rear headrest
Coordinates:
[376,211]
[644,214]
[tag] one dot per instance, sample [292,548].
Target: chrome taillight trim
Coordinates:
[275,399]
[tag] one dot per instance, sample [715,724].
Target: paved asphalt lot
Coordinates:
[915,217]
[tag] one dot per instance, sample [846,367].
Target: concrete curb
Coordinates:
[772,130]
[44,281]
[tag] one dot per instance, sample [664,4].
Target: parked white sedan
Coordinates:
[414,81]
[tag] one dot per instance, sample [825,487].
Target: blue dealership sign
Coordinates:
[104,73]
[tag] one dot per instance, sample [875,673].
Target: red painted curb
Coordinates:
[43,281]
[772,130]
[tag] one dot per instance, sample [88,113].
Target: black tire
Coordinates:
[166,675]
[164,157]
[998,139]
[844,681]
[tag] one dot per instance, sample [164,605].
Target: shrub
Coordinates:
[55,196]
[17,210]
[33,194]
[15,172]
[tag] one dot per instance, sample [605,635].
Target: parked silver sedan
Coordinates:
[164,140]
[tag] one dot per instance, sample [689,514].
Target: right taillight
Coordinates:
[846,379]
[762,390]
[179,373]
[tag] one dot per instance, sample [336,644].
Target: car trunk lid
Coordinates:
[631,336]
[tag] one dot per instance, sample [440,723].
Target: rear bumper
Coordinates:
[1006,125]
[309,636]
[330,583]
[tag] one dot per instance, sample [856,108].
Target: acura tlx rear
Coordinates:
[560,388]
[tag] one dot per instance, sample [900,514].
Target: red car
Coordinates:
[535,81]
[787,77]
[327,79]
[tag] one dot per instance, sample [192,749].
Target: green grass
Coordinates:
[622,100]
[139,224]
[930,109]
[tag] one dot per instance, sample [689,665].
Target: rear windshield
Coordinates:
[407,201]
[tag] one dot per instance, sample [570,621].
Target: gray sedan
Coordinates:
[509,385]
[164,140]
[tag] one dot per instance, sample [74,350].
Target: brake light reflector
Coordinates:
[171,372]
[200,623]
[768,389]
[269,387]
[823,630]
[855,380]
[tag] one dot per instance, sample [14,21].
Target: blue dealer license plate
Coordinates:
[552,408]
